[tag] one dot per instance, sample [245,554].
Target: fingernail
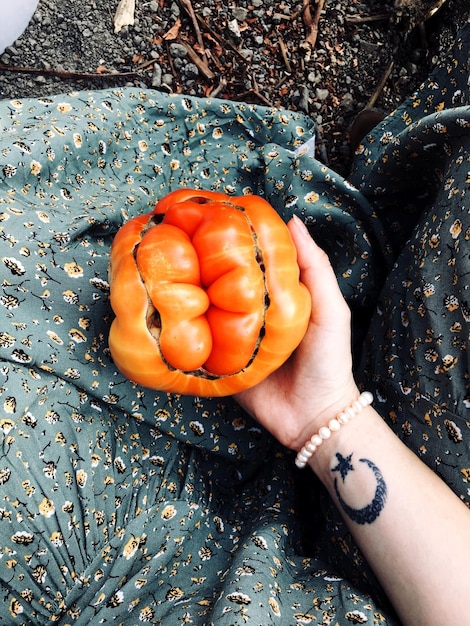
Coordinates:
[303,230]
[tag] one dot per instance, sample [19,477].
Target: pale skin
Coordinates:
[413,530]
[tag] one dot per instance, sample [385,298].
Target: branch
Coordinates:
[19,69]
[380,86]
[311,23]
[188,7]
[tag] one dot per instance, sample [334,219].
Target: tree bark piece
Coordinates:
[124,15]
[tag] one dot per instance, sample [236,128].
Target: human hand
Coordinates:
[316,383]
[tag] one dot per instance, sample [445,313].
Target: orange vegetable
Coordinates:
[206,294]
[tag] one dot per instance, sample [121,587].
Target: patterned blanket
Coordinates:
[119,504]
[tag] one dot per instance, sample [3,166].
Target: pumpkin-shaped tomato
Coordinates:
[206,294]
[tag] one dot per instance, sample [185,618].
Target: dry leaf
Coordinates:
[218,50]
[101,69]
[124,15]
[174,31]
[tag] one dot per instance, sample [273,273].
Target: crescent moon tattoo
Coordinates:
[371,511]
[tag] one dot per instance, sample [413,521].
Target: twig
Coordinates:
[212,57]
[283,48]
[65,74]
[200,63]
[144,65]
[223,42]
[311,23]
[364,19]
[219,89]
[291,18]
[188,7]
[254,91]
[380,86]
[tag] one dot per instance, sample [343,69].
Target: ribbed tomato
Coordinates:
[206,294]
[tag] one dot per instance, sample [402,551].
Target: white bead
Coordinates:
[334,425]
[316,440]
[357,406]
[303,457]
[350,411]
[366,398]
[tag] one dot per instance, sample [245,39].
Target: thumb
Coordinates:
[316,273]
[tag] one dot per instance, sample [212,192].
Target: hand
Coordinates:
[316,383]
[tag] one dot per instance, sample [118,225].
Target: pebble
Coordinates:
[239,13]
[322,94]
[178,51]
[190,71]
[347,102]
[156,75]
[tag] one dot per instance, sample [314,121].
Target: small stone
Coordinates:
[347,102]
[303,102]
[157,75]
[167,79]
[234,28]
[178,51]
[190,71]
[239,13]
[322,94]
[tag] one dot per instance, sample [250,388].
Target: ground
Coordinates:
[365,54]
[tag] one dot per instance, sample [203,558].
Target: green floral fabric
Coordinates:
[119,504]
[414,169]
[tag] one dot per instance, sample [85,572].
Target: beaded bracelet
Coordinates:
[335,424]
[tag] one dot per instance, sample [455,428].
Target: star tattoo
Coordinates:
[344,465]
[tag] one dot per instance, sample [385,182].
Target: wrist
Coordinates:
[331,409]
[320,439]
[361,436]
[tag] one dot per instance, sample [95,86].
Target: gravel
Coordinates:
[255,51]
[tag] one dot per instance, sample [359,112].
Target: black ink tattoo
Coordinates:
[344,465]
[371,511]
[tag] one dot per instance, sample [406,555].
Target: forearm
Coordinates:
[412,529]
